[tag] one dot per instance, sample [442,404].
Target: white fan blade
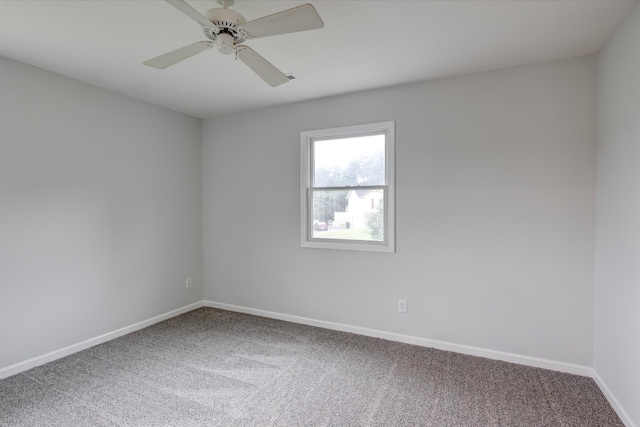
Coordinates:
[175,56]
[301,18]
[191,12]
[261,66]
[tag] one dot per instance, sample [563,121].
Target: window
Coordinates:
[347,188]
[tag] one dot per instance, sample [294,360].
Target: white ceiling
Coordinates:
[364,45]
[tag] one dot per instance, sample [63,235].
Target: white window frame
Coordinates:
[306,182]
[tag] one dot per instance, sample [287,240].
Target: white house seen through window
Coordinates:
[347,188]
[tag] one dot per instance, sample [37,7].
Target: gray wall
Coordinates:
[617,310]
[100,211]
[495,212]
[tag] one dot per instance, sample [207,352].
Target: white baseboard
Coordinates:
[392,336]
[535,362]
[624,417]
[57,354]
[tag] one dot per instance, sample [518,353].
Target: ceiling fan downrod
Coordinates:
[226,3]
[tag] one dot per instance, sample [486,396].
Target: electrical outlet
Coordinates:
[189,282]
[402,306]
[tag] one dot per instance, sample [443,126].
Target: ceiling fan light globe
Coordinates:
[226,44]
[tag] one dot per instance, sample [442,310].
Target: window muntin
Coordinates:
[347,188]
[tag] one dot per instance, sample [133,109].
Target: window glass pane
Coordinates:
[349,161]
[356,214]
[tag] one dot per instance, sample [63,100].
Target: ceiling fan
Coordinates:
[227,29]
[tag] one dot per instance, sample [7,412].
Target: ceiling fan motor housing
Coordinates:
[227,33]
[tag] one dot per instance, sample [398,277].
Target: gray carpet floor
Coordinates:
[212,367]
